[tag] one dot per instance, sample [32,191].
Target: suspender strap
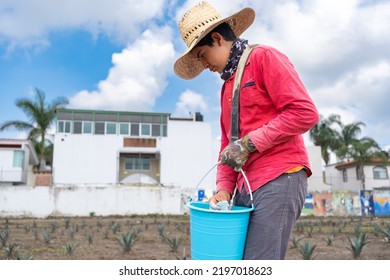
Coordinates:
[235,114]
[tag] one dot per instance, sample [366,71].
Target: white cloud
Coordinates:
[29,22]
[190,102]
[137,77]
[362,90]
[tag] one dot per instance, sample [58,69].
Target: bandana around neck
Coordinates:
[236,51]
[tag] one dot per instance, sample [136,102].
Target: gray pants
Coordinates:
[278,205]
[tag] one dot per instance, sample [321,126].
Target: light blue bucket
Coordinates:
[218,234]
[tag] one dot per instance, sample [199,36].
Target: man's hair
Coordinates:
[224,29]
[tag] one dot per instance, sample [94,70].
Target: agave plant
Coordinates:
[53,226]
[127,241]
[357,244]
[69,248]
[295,241]
[173,242]
[306,250]
[47,237]
[10,250]
[89,237]
[309,231]
[385,232]
[4,237]
[161,230]
[183,255]
[329,240]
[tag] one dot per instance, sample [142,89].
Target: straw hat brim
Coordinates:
[187,66]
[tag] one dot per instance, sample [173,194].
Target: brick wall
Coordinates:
[43,178]
[139,142]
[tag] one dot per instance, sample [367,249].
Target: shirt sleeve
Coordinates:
[298,113]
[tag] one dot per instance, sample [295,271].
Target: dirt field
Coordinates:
[168,238]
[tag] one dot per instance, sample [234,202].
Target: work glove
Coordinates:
[236,154]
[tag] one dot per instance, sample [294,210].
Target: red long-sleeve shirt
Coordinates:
[275,110]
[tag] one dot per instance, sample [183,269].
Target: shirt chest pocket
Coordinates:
[252,96]
[249,93]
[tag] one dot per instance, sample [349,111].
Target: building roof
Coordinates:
[352,163]
[59,110]
[18,143]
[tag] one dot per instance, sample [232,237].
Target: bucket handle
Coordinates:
[235,190]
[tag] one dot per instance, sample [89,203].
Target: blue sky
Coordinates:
[118,55]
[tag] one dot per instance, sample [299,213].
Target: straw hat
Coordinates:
[195,24]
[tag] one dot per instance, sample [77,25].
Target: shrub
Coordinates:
[69,248]
[357,244]
[329,240]
[10,250]
[127,241]
[4,237]
[46,237]
[306,250]
[295,241]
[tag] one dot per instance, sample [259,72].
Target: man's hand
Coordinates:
[236,154]
[222,195]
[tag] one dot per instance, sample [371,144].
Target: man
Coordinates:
[274,111]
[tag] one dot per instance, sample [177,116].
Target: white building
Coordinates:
[316,181]
[347,176]
[17,158]
[110,148]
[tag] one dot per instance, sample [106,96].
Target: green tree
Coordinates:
[40,116]
[324,135]
[364,151]
[346,137]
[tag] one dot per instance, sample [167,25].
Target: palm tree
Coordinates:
[348,135]
[40,116]
[364,151]
[322,134]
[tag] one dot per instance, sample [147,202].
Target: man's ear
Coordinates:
[217,38]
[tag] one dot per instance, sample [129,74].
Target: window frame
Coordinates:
[137,163]
[377,174]
[64,126]
[109,126]
[345,175]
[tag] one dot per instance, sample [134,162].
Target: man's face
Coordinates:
[213,57]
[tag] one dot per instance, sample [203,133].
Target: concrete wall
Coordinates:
[186,154]
[42,202]
[85,158]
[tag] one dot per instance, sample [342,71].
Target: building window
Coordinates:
[137,163]
[87,127]
[164,130]
[145,129]
[124,129]
[110,128]
[77,127]
[345,175]
[156,130]
[359,173]
[380,172]
[99,128]
[64,126]
[134,129]
[18,159]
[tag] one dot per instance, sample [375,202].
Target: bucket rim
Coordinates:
[236,211]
